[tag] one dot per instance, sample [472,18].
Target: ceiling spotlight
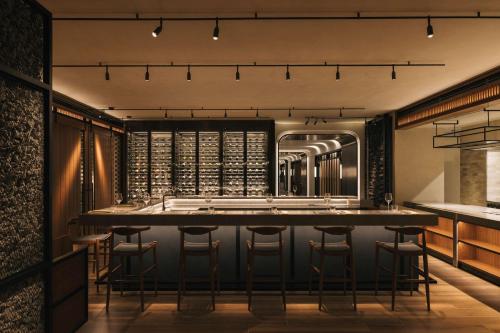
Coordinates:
[393,74]
[237,72]
[289,113]
[225,113]
[316,121]
[215,35]
[166,114]
[192,114]
[146,76]
[257,113]
[158,29]
[107,76]
[308,119]
[340,113]
[188,75]
[430,30]
[324,120]
[287,75]
[337,75]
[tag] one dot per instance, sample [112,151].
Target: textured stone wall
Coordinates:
[21,305]
[21,38]
[21,177]
[473,177]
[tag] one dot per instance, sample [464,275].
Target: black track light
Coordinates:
[316,121]
[430,30]
[307,121]
[158,29]
[393,74]
[192,114]
[337,75]
[225,113]
[257,114]
[215,35]
[287,75]
[289,113]
[146,76]
[324,120]
[107,76]
[166,114]
[237,73]
[340,113]
[188,75]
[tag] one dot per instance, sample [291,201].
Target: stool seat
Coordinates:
[330,247]
[92,238]
[132,247]
[269,246]
[202,247]
[404,247]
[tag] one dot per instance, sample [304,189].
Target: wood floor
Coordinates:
[452,311]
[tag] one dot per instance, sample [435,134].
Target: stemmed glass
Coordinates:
[118,198]
[208,200]
[294,190]
[388,199]
[327,198]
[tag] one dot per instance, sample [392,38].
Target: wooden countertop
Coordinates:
[154,215]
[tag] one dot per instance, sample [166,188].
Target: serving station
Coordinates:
[232,215]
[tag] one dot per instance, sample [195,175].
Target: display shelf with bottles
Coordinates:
[233,164]
[185,163]
[137,164]
[257,164]
[161,163]
[209,163]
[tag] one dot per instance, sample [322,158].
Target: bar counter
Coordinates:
[231,215]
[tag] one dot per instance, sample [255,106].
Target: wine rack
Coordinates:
[137,164]
[185,163]
[257,163]
[233,164]
[117,163]
[161,163]
[209,163]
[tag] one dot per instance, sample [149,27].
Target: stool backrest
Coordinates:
[337,230]
[268,231]
[410,231]
[196,231]
[127,231]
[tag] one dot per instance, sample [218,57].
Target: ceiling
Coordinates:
[467,47]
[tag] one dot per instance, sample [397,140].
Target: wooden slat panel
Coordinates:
[103,168]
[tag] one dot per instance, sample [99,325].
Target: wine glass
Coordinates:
[294,190]
[118,198]
[327,198]
[146,198]
[208,200]
[388,199]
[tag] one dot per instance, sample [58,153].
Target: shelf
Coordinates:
[440,249]
[482,266]
[482,245]
[440,232]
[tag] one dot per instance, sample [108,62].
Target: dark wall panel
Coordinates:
[21,177]
[103,168]
[350,170]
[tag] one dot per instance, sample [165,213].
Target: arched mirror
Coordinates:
[318,165]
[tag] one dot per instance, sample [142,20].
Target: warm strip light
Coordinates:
[455,104]
[69,114]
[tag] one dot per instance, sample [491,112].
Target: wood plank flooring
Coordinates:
[452,311]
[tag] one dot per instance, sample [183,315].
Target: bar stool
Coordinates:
[96,239]
[400,250]
[125,250]
[265,249]
[209,249]
[342,249]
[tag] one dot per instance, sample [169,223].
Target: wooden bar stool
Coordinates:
[265,249]
[209,249]
[401,250]
[124,250]
[97,240]
[342,249]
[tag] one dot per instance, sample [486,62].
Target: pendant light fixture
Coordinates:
[237,73]
[215,35]
[158,29]
[188,75]
[146,76]
[107,76]
[430,30]
[287,75]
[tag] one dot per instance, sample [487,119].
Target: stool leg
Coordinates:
[395,273]
[122,266]
[353,280]
[212,280]
[155,258]
[282,279]
[217,270]
[376,268]
[141,282]
[108,285]
[345,273]
[250,280]
[410,273]
[321,280]
[310,268]
[97,268]
[180,282]
[426,276]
